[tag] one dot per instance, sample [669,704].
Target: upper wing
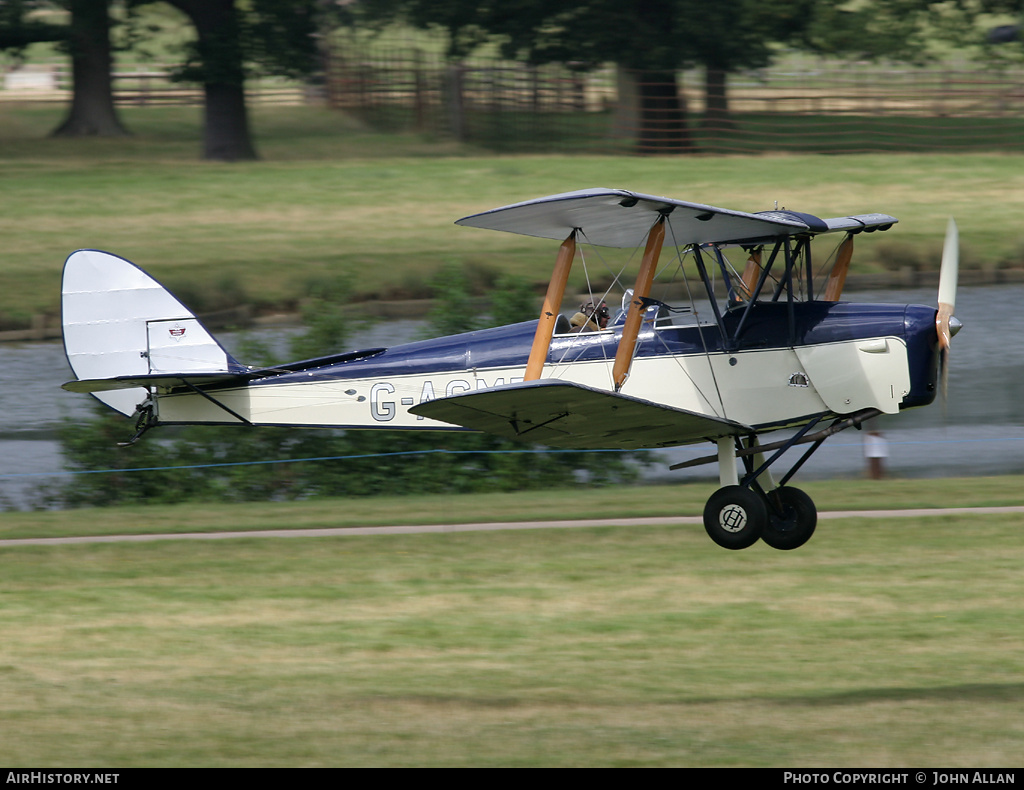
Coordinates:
[619,218]
[564,414]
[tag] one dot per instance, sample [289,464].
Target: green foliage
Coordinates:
[513,300]
[650,34]
[260,37]
[453,306]
[454,288]
[20,26]
[876,29]
[224,292]
[915,31]
[324,316]
[230,464]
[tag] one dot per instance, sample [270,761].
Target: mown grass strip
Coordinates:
[558,504]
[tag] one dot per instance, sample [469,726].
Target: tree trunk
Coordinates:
[226,135]
[626,110]
[663,123]
[92,110]
[454,100]
[716,99]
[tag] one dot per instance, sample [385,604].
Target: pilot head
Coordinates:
[598,312]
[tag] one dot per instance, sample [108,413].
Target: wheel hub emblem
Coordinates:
[732,518]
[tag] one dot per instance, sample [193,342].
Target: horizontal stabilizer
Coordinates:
[563,414]
[156,380]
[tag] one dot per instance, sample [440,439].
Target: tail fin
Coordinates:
[119,322]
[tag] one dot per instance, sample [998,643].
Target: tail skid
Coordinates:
[122,326]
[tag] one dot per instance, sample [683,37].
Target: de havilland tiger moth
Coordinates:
[756,340]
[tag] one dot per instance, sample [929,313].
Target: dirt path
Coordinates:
[484,527]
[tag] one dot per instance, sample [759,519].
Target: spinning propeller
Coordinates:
[945,324]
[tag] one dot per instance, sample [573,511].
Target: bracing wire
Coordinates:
[700,333]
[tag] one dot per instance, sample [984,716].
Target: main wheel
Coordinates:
[734,517]
[792,518]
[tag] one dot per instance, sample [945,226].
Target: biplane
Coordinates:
[738,334]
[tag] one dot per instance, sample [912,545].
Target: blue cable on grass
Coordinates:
[295,461]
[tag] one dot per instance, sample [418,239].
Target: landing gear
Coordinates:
[740,511]
[145,418]
[735,517]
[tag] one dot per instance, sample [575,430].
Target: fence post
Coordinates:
[454,100]
[420,90]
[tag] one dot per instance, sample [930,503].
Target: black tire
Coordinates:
[792,518]
[734,517]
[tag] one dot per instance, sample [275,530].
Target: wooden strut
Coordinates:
[752,273]
[635,316]
[549,312]
[837,277]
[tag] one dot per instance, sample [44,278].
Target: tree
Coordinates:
[86,38]
[218,62]
[233,41]
[896,29]
[919,31]
[18,28]
[92,110]
[992,27]
[738,35]
[652,40]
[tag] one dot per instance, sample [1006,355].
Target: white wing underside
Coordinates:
[564,414]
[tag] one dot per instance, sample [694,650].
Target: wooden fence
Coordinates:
[138,85]
[814,106]
[805,105]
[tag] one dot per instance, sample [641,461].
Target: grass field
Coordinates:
[330,199]
[879,644]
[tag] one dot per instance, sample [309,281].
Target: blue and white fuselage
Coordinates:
[848,357]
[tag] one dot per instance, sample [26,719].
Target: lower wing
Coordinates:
[563,414]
